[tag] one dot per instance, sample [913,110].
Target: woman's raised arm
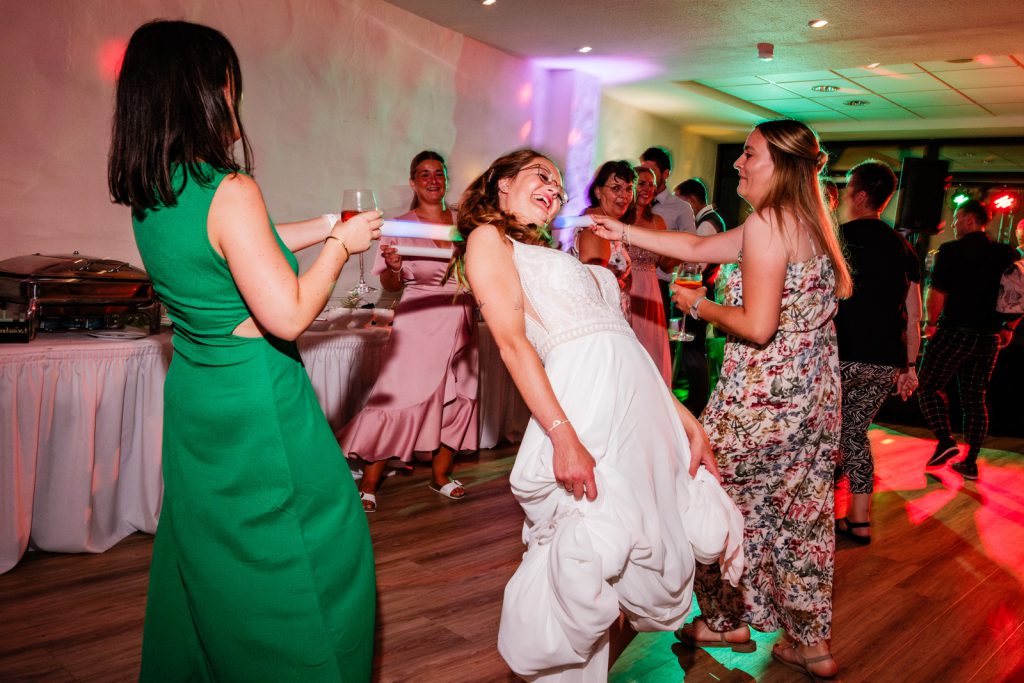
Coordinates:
[723,247]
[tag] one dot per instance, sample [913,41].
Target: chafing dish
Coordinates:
[73,292]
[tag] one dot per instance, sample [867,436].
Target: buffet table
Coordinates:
[82,424]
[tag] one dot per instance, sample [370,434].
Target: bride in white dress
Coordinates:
[607,473]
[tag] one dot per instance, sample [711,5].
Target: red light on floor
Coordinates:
[109,58]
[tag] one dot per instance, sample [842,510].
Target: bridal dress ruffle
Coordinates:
[633,548]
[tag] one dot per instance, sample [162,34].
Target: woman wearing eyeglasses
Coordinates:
[606,470]
[610,194]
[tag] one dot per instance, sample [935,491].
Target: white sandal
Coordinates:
[368,498]
[447,489]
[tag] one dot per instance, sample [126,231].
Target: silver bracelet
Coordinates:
[555,425]
[694,309]
[625,234]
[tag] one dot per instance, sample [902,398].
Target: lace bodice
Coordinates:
[570,299]
[642,259]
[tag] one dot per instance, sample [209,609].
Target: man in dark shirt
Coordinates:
[878,329]
[964,331]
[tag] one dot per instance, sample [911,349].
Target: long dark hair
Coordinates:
[796,186]
[170,109]
[425,155]
[480,205]
[648,211]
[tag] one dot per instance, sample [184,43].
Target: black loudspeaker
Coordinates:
[923,185]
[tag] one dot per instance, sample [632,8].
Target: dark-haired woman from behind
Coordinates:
[774,416]
[424,399]
[262,567]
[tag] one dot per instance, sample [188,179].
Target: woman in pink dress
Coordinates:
[647,311]
[425,398]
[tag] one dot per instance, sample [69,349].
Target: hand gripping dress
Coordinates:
[426,392]
[262,568]
[630,549]
[774,423]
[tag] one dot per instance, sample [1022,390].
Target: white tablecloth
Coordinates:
[81,424]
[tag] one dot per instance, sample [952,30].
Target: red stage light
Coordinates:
[1006,201]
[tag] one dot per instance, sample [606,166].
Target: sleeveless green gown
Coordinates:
[262,567]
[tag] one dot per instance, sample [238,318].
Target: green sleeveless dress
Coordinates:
[262,567]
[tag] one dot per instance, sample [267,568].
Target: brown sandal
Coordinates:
[687,636]
[803,662]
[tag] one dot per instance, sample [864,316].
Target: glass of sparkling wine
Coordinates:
[687,275]
[352,203]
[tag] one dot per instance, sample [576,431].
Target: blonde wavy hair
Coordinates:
[480,205]
[796,186]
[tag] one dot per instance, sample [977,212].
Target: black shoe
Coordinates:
[943,452]
[968,470]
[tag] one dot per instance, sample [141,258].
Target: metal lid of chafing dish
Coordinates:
[64,266]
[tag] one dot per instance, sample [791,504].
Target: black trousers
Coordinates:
[689,359]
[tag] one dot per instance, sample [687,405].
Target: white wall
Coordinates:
[338,94]
[625,132]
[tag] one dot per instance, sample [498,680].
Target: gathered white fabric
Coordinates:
[715,526]
[630,549]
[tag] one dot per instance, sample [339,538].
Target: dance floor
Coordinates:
[937,596]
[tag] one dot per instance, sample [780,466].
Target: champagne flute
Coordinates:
[355,202]
[689,275]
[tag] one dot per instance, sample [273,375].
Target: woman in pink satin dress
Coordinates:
[425,397]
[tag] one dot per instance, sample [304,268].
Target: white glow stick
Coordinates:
[423,252]
[563,222]
[428,231]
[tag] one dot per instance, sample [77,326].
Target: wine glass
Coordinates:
[689,275]
[354,202]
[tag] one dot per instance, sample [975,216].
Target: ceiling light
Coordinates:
[824,88]
[585,49]
[818,23]
[873,65]
[856,103]
[765,52]
[485,3]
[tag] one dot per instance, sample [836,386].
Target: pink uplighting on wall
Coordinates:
[109,58]
[525,95]
[524,131]
[608,70]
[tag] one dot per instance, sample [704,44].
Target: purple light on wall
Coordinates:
[608,70]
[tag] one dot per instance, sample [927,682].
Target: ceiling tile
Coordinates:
[760,92]
[900,83]
[1006,109]
[736,80]
[824,115]
[985,78]
[954,111]
[803,88]
[879,113]
[802,76]
[883,70]
[838,102]
[788,106]
[980,62]
[988,96]
[927,98]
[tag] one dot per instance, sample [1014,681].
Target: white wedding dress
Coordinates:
[633,548]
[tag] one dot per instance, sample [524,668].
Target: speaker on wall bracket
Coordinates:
[923,185]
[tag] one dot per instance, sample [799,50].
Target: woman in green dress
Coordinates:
[262,568]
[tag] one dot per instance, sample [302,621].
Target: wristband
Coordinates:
[696,305]
[332,219]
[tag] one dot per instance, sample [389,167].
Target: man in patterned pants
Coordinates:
[964,333]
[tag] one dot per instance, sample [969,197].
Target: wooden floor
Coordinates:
[937,597]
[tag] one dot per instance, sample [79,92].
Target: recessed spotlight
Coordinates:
[765,52]
[873,65]
[585,49]
[856,103]
[824,88]
[487,3]
[818,23]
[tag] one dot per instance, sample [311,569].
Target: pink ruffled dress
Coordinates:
[426,390]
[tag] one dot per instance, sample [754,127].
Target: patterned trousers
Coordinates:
[970,357]
[865,386]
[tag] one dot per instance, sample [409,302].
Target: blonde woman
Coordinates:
[774,417]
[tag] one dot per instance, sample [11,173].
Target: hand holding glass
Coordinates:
[355,202]
[687,275]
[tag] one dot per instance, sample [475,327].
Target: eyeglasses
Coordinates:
[545,177]
[619,189]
